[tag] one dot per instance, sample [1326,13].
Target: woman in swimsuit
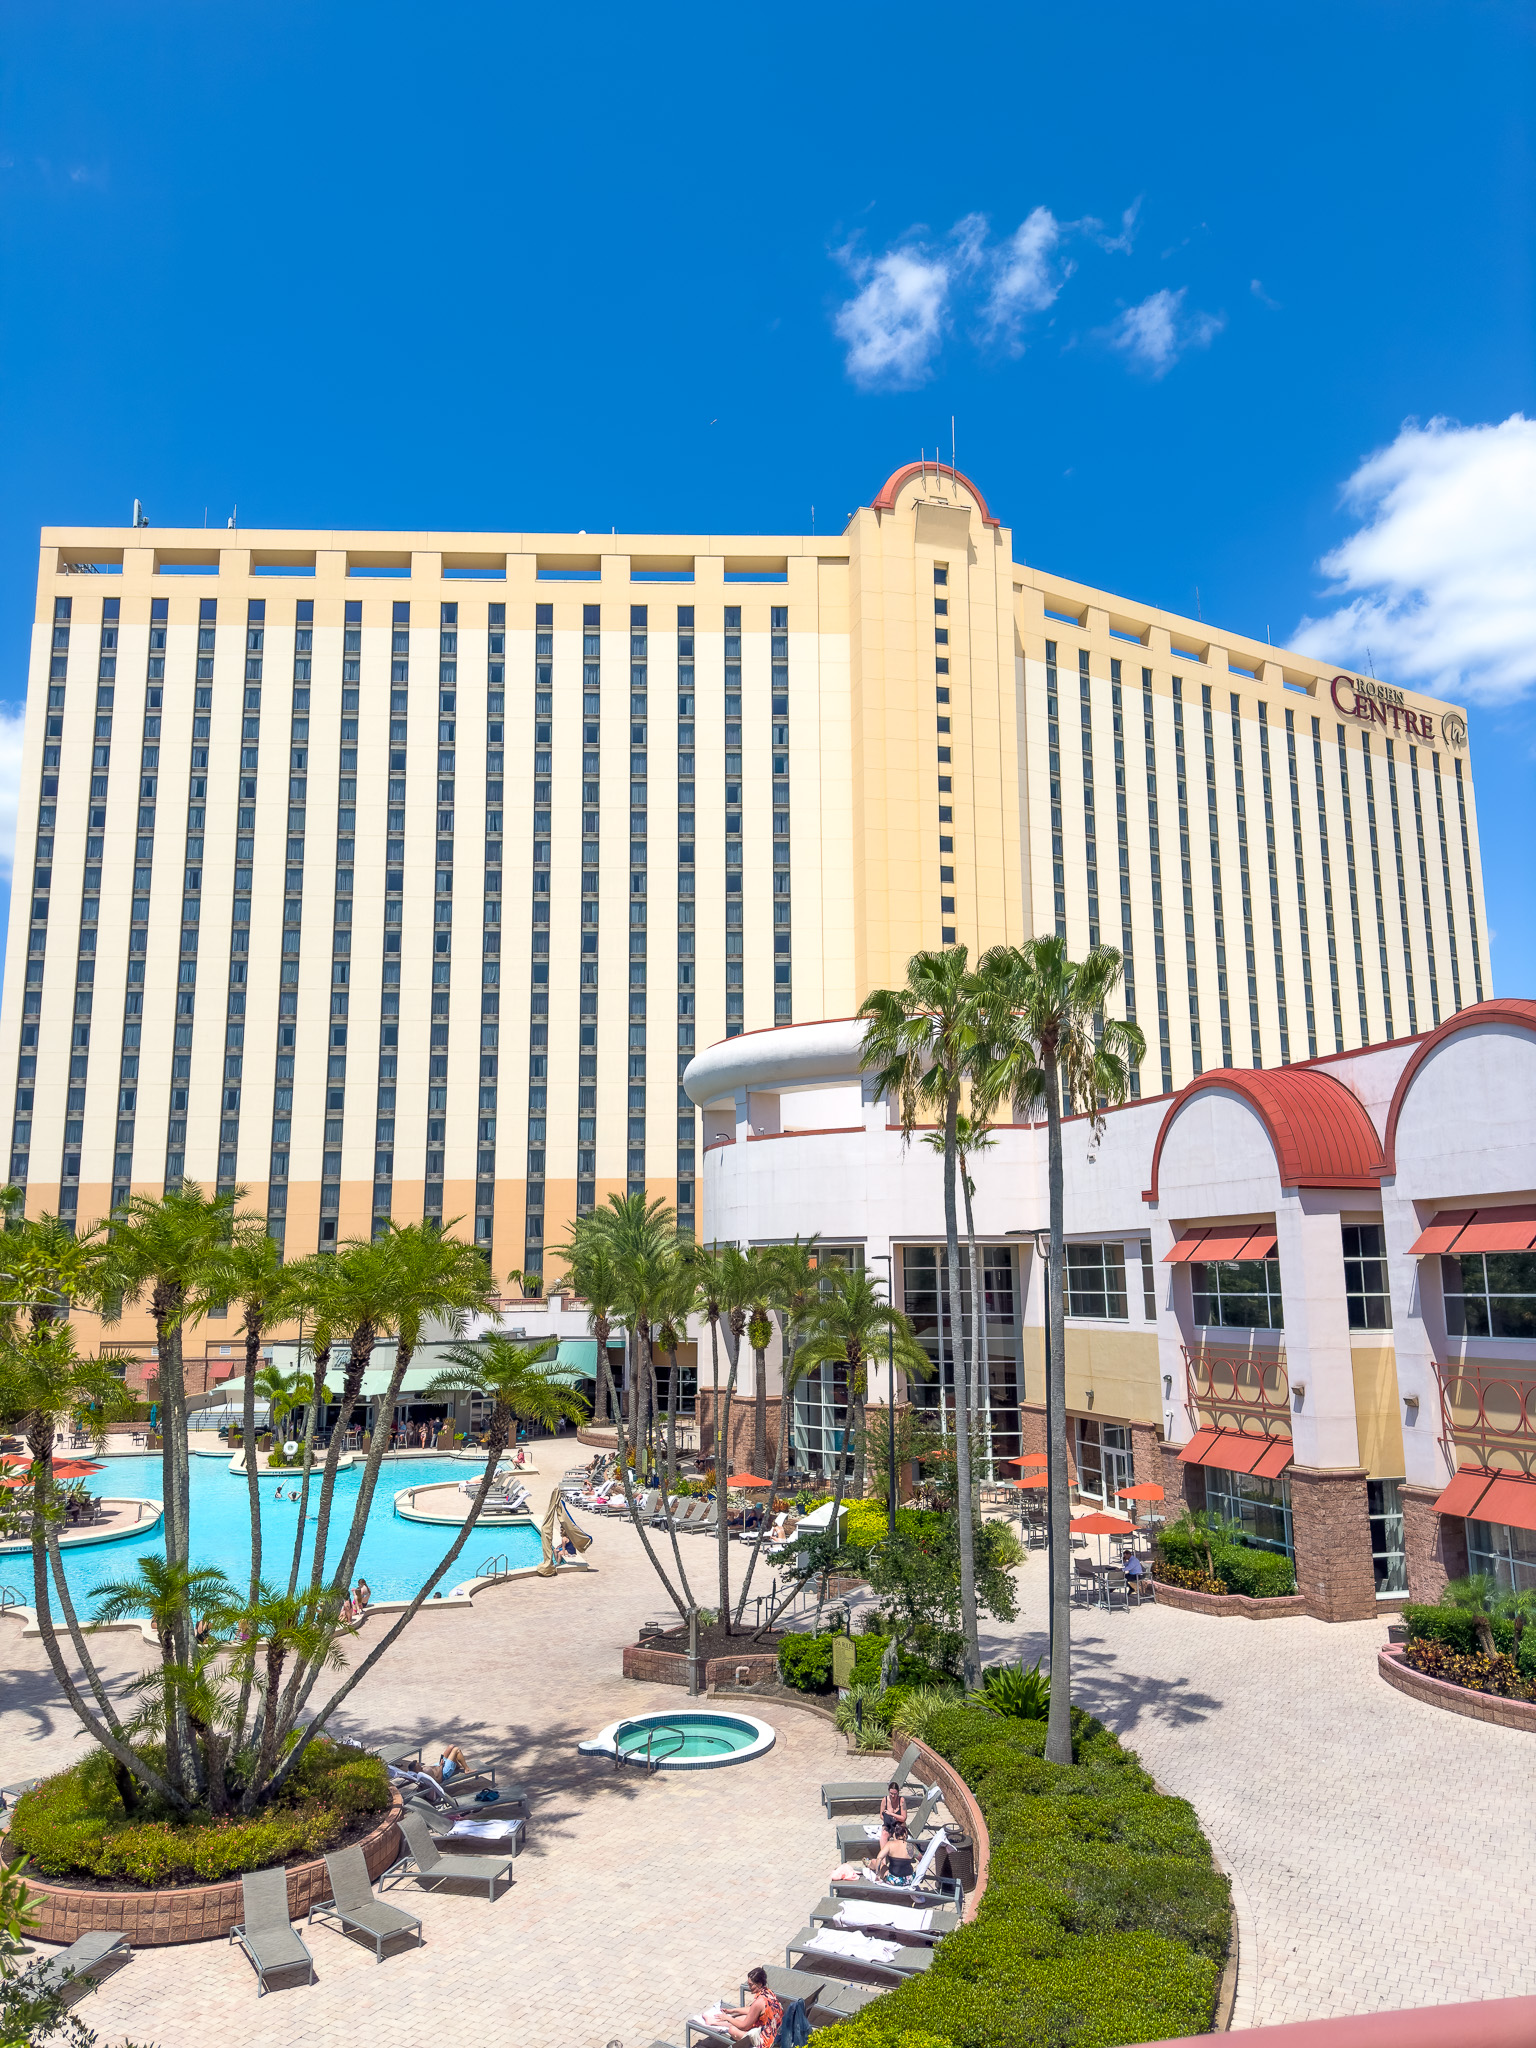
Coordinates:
[760,2015]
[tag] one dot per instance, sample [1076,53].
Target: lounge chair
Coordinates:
[867,1792]
[77,1965]
[844,2000]
[353,1905]
[888,1920]
[787,1984]
[862,1837]
[875,1889]
[838,1949]
[426,1863]
[266,1933]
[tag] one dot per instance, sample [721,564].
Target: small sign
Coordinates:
[842,1660]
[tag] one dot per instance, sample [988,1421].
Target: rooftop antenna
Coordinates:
[234,517]
[1370,662]
[1197,605]
[139,516]
[952,470]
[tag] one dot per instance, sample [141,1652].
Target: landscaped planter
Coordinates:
[1244,1604]
[670,1667]
[197,1912]
[932,1769]
[1455,1699]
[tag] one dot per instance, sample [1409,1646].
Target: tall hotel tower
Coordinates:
[403,874]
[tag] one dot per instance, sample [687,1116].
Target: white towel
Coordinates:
[862,1913]
[858,1948]
[484,1830]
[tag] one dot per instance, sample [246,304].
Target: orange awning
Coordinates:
[1261,1246]
[1274,1461]
[1439,1236]
[1500,1230]
[1466,1489]
[1510,1500]
[1233,1450]
[1225,1244]
[1184,1248]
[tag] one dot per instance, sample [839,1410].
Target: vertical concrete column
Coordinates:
[1436,1545]
[1317,1331]
[1330,1526]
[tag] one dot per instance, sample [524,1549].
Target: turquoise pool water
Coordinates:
[703,1735]
[396,1555]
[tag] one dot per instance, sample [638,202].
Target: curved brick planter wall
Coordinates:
[961,1801]
[670,1667]
[1455,1699]
[203,1912]
[1230,1603]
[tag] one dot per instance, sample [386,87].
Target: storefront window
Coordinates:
[1238,1294]
[1104,1467]
[1507,1555]
[1096,1282]
[926,1303]
[1365,1277]
[1491,1294]
[1261,1508]
[1388,1558]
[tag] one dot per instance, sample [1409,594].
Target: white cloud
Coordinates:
[1025,278]
[1157,332]
[1124,242]
[1441,574]
[894,325]
[13,720]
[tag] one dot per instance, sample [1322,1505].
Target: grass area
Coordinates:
[76,1824]
[1104,1920]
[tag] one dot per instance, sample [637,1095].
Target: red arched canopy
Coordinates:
[900,478]
[1321,1134]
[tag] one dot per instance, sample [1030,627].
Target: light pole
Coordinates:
[1043,1254]
[889,1263]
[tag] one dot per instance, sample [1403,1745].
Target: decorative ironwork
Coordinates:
[1247,1390]
[1490,1413]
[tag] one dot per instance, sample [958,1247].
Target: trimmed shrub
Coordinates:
[1456,1627]
[1477,1671]
[1104,1920]
[805,1662]
[1194,1577]
[76,1822]
[1239,1567]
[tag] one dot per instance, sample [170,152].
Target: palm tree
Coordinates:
[972,1136]
[251,1272]
[851,1324]
[673,1305]
[522,1381]
[168,1593]
[1052,1041]
[642,1236]
[925,1044]
[726,1284]
[284,1393]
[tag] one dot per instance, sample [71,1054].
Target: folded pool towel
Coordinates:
[858,1948]
[864,1913]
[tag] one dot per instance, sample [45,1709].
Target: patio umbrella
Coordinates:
[1032,1480]
[747,1479]
[72,1468]
[1147,1490]
[1028,1458]
[1102,1525]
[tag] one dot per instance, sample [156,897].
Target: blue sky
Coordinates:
[1179,275]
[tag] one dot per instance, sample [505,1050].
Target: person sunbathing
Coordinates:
[759,2018]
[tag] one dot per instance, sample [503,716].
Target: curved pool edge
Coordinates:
[98,1540]
[489,1518]
[604,1743]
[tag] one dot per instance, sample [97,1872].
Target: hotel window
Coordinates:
[1505,1555]
[1122,835]
[1053,735]
[1356,927]
[735,965]
[293,903]
[1095,1282]
[1429,927]
[1212,829]
[490,945]
[1181,783]
[591,790]
[138,928]
[1245,877]
[240,919]
[90,899]
[946,811]
[191,901]
[1466,866]
[442,912]
[922,1269]
[1238,1294]
[687,1116]
[387,1087]
[538,1001]
[1148,1282]
[1445,872]
[1261,1508]
[1301,884]
[1389,1558]
[1322,833]
[1491,1294]
[1159,948]
[783,963]
[639,757]
[1402,878]
[1274,877]
[1090,833]
[1366,1290]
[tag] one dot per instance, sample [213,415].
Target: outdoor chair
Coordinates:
[428,1865]
[837,1948]
[76,1967]
[866,1792]
[844,2000]
[1085,1578]
[1113,1581]
[353,1905]
[863,1836]
[946,1888]
[266,1933]
[887,1919]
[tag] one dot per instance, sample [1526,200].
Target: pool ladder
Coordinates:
[496,1567]
[653,1758]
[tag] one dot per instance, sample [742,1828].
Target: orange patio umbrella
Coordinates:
[747,1479]
[1033,1479]
[72,1468]
[1147,1490]
[1029,1458]
[1102,1525]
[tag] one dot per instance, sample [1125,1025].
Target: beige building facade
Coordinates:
[404,874]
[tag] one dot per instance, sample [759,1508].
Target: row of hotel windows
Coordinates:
[1330,936]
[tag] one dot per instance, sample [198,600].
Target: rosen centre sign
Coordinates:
[1378,704]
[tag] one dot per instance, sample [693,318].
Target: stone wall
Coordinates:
[1183,1485]
[1239,1604]
[1330,1526]
[743,1430]
[1455,1699]
[1436,1544]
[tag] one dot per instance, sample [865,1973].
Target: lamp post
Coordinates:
[889,1263]
[1043,1254]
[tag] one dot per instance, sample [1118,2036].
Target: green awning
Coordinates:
[578,1355]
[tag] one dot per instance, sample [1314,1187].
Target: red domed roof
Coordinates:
[1321,1134]
[1517,1013]
[900,478]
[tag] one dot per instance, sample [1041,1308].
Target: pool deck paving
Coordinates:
[1382,1851]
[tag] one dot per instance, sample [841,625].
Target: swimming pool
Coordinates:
[687,1739]
[396,1555]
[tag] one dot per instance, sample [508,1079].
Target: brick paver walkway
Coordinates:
[636,1902]
[1385,1848]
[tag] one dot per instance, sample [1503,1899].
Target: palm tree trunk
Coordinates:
[722,1473]
[981,1391]
[672,1379]
[964,1502]
[760,1413]
[351,1386]
[1058,1737]
[762,1527]
[317,1365]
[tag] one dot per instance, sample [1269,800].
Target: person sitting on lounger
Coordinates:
[361,1597]
[893,1814]
[451,1764]
[759,2018]
[417,1785]
[895,1849]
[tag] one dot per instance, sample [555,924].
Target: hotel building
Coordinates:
[406,874]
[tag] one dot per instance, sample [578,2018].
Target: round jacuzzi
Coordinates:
[689,1740]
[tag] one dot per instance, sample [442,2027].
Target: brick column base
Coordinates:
[1031,1429]
[1330,1524]
[1183,1485]
[1146,1441]
[1436,1544]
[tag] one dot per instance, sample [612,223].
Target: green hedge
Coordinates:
[1103,1920]
[805,1662]
[1261,1574]
[76,1822]
[1456,1627]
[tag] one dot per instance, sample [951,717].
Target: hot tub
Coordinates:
[691,1740]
